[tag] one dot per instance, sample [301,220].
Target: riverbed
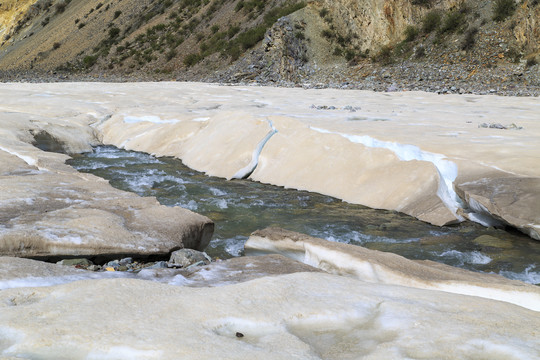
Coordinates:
[239,207]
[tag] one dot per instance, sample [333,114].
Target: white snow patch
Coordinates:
[33,281]
[471,257]
[508,349]
[528,276]
[124,352]
[201,119]
[148,118]
[27,159]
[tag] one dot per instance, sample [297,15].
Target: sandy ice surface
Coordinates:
[296,316]
[423,154]
[406,151]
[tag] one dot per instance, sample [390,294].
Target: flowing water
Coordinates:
[240,207]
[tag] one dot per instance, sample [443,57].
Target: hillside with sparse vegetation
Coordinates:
[278,41]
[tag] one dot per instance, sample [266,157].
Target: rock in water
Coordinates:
[75,262]
[186,257]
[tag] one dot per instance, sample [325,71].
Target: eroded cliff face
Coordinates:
[527,28]
[373,23]
[11,13]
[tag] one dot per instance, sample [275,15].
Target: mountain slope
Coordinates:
[282,41]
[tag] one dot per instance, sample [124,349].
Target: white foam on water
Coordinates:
[248,169]
[163,275]
[217,192]
[221,203]
[179,280]
[528,275]
[152,179]
[468,257]
[356,237]
[235,246]
[191,205]
[148,118]
[232,246]
[113,153]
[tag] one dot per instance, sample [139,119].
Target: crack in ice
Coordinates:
[249,168]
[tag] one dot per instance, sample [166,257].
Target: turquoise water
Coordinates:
[240,207]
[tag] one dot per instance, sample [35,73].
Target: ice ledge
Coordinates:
[446,169]
[387,268]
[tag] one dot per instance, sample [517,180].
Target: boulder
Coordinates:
[187,257]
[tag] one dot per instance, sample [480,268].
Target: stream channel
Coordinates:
[240,207]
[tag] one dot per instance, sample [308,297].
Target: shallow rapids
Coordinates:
[239,207]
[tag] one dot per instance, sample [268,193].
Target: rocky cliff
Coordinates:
[370,24]
[13,15]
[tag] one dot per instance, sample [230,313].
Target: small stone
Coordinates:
[239,335]
[125,261]
[158,265]
[187,257]
[392,88]
[112,264]
[75,262]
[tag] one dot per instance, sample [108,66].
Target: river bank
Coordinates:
[433,77]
